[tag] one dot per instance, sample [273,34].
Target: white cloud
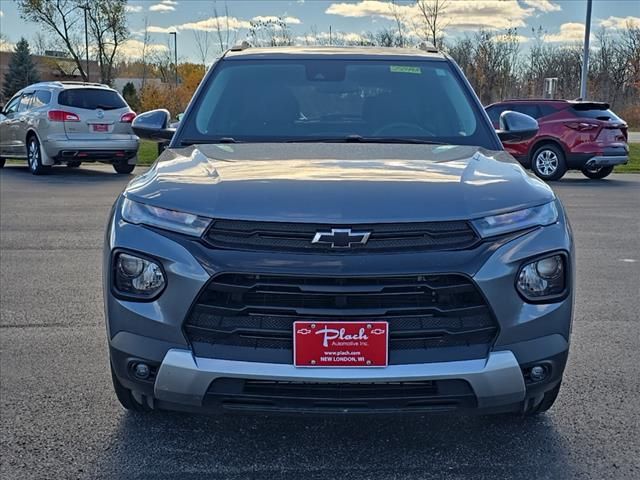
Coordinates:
[620,22]
[133,48]
[6,46]
[212,24]
[162,8]
[460,14]
[157,29]
[544,6]
[337,38]
[569,33]
[273,18]
[133,8]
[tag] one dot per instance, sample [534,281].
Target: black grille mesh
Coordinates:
[257,311]
[297,237]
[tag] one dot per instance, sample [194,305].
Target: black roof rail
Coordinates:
[428,47]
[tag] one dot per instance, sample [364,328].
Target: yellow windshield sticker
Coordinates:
[405,69]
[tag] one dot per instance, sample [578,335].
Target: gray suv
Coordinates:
[69,123]
[337,230]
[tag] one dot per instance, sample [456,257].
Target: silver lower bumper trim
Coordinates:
[607,160]
[185,379]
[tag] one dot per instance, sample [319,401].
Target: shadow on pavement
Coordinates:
[166,445]
[60,174]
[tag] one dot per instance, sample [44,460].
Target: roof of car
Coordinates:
[68,85]
[343,52]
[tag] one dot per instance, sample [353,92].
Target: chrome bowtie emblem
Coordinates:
[341,238]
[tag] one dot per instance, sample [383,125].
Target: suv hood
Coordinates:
[338,183]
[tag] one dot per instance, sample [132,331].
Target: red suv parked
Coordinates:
[578,135]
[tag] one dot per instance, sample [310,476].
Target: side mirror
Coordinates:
[516,127]
[154,125]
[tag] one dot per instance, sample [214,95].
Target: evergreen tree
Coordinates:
[130,95]
[22,70]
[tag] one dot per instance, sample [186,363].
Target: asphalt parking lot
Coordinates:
[60,418]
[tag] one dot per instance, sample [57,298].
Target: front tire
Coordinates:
[125,396]
[2,161]
[597,173]
[123,168]
[548,162]
[34,157]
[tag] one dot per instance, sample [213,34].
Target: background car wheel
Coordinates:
[34,156]
[546,403]
[73,164]
[123,168]
[548,163]
[125,396]
[597,172]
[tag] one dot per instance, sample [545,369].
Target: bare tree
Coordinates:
[432,20]
[203,44]
[145,52]
[65,19]
[41,43]
[60,17]
[270,33]
[108,26]
[400,21]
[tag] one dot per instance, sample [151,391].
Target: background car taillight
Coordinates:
[581,126]
[62,116]
[127,117]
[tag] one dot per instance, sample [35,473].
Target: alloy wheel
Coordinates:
[33,155]
[547,162]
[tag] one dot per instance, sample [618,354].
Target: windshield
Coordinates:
[330,100]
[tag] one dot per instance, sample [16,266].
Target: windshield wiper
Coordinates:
[361,139]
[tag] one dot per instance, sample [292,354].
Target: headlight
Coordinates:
[137,277]
[143,214]
[540,216]
[543,278]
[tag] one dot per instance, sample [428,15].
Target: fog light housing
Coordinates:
[537,373]
[142,371]
[543,279]
[136,277]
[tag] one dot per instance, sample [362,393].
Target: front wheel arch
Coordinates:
[45,159]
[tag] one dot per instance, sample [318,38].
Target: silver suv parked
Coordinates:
[53,123]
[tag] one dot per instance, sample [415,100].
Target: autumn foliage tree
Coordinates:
[167,95]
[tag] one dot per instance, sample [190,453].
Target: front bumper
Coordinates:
[153,331]
[185,379]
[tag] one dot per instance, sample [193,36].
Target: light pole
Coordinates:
[585,55]
[175,53]
[86,39]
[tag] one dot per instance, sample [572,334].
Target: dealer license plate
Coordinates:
[340,344]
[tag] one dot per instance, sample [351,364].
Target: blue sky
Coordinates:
[563,20]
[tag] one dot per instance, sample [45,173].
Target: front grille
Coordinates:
[438,395]
[297,237]
[431,317]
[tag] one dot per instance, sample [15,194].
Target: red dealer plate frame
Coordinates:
[100,127]
[358,344]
